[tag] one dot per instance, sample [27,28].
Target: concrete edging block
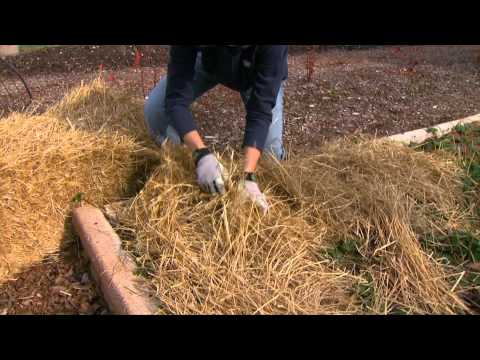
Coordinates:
[112,268]
[421,135]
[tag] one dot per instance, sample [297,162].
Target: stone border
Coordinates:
[112,268]
[419,136]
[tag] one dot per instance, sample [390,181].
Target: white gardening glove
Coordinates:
[210,173]
[249,189]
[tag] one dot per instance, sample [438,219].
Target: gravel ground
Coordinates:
[378,91]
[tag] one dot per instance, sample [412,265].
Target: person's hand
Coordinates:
[210,175]
[250,190]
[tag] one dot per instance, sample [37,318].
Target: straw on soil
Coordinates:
[97,107]
[45,163]
[383,198]
[205,255]
[374,203]
[210,256]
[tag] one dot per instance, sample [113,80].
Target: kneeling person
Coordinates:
[257,72]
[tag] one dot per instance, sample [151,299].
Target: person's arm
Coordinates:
[270,62]
[179,98]
[179,95]
[252,157]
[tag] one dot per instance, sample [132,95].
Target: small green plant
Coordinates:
[459,247]
[437,143]
[346,255]
[78,198]
[399,311]
[474,172]
[344,251]
[461,128]
[471,181]
[366,291]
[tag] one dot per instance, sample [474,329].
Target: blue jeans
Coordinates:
[160,128]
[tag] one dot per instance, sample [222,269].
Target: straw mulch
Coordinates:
[346,233]
[384,198]
[96,107]
[207,255]
[47,162]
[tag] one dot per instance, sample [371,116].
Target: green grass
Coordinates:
[460,247]
[28,48]
[464,143]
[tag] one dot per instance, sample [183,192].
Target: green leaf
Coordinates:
[78,198]
[461,128]
[474,172]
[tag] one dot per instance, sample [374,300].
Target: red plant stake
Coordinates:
[138,65]
[112,78]
[310,65]
[154,77]
[138,59]
[409,56]
[142,80]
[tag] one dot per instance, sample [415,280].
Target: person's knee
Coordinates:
[155,102]
[150,109]
[148,117]
[154,113]
[276,149]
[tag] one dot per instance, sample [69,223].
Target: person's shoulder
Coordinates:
[184,48]
[272,53]
[183,52]
[272,47]
[273,50]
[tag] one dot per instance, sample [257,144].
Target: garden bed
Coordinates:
[369,91]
